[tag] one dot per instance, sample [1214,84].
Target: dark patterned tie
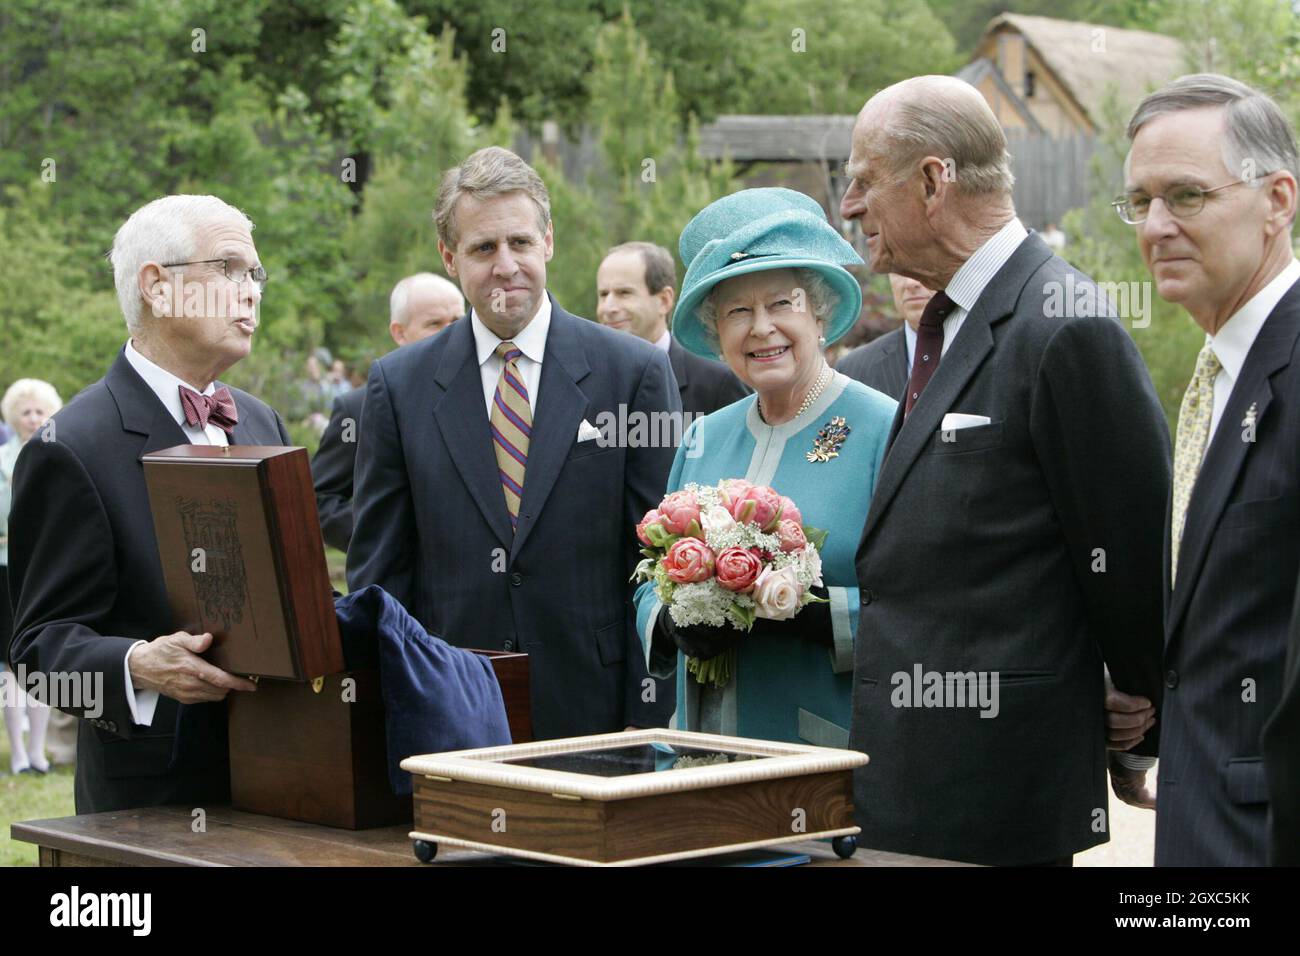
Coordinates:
[929,347]
[218,408]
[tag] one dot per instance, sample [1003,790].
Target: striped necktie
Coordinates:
[512,424]
[1189,448]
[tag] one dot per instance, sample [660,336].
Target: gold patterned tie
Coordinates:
[512,424]
[1189,448]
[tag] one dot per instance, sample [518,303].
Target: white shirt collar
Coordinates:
[978,271]
[531,340]
[1234,339]
[163,383]
[665,340]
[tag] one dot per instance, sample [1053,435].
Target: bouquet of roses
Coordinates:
[730,553]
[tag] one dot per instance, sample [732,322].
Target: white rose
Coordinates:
[776,594]
[813,562]
[716,519]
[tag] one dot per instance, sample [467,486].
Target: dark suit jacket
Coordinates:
[704,385]
[86,583]
[1282,759]
[980,554]
[432,527]
[1226,621]
[880,364]
[332,467]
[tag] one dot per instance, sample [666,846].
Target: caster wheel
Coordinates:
[425,851]
[844,846]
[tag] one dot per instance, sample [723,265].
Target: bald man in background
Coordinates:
[420,306]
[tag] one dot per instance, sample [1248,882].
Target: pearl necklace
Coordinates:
[823,379]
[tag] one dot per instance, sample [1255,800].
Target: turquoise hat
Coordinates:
[754,230]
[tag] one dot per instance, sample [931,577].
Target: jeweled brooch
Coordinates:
[829,440]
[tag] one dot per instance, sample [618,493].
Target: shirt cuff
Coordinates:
[1135,761]
[141,703]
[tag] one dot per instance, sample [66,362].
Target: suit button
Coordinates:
[1171,679]
[867,596]
[516,579]
[508,646]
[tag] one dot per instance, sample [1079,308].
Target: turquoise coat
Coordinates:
[784,689]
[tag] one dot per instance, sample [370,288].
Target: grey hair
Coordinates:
[42,391]
[401,294]
[660,269]
[165,230]
[1256,129]
[928,123]
[491,171]
[822,298]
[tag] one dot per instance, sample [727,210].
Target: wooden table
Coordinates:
[164,836]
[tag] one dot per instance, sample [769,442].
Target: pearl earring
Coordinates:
[821,340]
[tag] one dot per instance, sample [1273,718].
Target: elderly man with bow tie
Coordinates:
[85,576]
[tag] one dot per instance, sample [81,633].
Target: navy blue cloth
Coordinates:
[436,697]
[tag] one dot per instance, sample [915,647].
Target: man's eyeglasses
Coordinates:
[237,275]
[1183,202]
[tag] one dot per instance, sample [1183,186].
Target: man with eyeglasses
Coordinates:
[85,576]
[421,306]
[1210,185]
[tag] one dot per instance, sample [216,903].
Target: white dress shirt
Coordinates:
[531,340]
[1235,337]
[166,386]
[665,340]
[909,335]
[969,282]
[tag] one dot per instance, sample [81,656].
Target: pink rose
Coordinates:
[651,517]
[732,489]
[738,569]
[760,505]
[688,561]
[777,594]
[790,511]
[791,535]
[678,512]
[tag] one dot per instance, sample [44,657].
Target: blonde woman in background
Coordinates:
[25,407]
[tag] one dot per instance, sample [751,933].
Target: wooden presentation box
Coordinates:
[242,556]
[631,798]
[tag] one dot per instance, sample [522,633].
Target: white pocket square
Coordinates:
[955,420]
[587,431]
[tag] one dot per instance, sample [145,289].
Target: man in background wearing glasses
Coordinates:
[85,576]
[1210,185]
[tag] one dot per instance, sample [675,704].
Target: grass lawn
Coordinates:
[28,797]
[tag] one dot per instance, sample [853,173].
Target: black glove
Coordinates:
[812,623]
[700,641]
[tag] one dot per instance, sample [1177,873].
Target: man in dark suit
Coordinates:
[1002,553]
[85,574]
[1210,185]
[421,305]
[1282,759]
[885,362]
[636,286]
[487,501]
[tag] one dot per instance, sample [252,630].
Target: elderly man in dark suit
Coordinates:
[884,363]
[85,575]
[487,501]
[636,287]
[420,306]
[1003,553]
[1210,185]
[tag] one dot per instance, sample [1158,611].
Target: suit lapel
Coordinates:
[900,373]
[681,367]
[141,410]
[966,354]
[561,405]
[1270,353]
[462,419]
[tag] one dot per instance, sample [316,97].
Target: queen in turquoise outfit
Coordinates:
[766,290]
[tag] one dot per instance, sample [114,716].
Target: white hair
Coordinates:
[29,388]
[401,297]
[162,231]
